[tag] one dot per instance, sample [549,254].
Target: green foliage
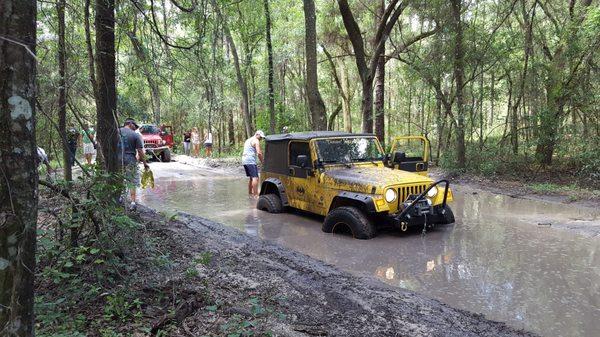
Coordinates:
[118,306]
[82,254]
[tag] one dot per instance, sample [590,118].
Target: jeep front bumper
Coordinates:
[155,150]
[417,211]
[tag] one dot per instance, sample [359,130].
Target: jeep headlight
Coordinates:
[432,192]
[390,195]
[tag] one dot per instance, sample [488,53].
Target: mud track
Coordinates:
[314,298]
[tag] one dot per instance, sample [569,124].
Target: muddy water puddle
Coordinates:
[500,258]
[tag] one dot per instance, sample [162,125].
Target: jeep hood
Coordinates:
[378,177]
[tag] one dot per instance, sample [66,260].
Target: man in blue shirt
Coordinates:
[132,148]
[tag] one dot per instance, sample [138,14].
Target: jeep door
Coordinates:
[301,176]
[410,153]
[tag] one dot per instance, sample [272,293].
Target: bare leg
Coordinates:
[132,193]
[255,187]
[250,186]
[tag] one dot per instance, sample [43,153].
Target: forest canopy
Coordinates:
[493,85]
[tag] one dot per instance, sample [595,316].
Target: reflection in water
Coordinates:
[495,260]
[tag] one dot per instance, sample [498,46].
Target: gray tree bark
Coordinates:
[238,71]
[106,105]
[459,80]
[315,102]
[272,120]
[18,166]
[367,67]
[62,90]
[380,88]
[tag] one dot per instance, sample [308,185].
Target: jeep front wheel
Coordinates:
[270,203]
[166,156]
[352,218]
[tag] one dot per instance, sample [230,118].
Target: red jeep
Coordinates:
[157,141]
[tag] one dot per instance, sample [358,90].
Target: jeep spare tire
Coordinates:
[165,156]
[270,203]
[353,218]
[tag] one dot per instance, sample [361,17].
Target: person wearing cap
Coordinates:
[252,151]
[131,144]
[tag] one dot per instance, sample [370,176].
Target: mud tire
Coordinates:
[270,202]
[448,216]
[361,226]
[165,156]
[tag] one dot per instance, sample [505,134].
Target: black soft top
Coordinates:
[313,134]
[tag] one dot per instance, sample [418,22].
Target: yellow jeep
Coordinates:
[350,180]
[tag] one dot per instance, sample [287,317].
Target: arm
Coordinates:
[258,151]
[140,150]
[142,157]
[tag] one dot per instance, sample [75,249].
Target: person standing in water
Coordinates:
[252,151]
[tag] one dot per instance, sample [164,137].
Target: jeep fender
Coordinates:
[363,201]
[274,185]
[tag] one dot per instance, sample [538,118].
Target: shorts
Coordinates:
[132,174]
[251,170]
[88,148]
[208,145]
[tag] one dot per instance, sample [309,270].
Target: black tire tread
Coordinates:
[270,203]
[361,226]
[166,156]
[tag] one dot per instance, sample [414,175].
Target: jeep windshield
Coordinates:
[348,150]
[149,129]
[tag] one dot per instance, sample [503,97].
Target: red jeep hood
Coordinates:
[150,136]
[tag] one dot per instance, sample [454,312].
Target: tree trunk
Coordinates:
[106,105]
[380,100]
[550,119]
[272,120]
[409,114]
[492,98]
[90,52]
[18,167]
[238,71]
[459,78]
[367,68]
[315,102]
[439,122]
[62,90]
[346,98]
[367,105]
[380,87]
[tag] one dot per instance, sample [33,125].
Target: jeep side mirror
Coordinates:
[302,161]
[399,157]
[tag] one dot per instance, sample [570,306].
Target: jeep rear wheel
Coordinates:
[270,203]
[349,217]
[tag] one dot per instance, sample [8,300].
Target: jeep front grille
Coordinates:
[405,191]
[151,143]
